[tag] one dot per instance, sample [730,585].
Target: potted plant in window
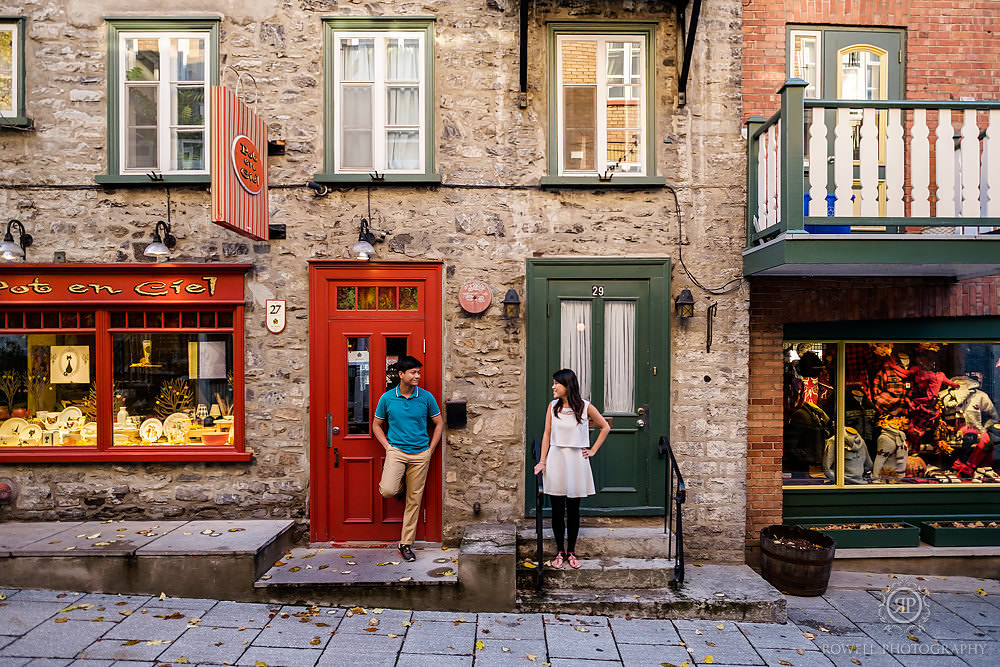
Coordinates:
[10,385]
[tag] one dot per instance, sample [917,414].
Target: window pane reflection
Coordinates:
[358,367]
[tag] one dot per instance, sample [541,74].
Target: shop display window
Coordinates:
[113,383]
[878,413]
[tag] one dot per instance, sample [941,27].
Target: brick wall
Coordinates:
[774,302]
[948,54]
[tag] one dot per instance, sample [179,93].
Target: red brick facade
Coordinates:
[774,302]
[951,49]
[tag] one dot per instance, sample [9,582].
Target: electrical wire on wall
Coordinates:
[727,287]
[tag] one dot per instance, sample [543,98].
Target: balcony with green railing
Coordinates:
[873,188]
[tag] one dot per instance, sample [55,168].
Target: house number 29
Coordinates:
[597,290]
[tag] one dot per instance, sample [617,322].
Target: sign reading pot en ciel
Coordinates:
[475,296]
[239,166]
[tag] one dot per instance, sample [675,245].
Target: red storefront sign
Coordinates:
[239,166]
[475,296]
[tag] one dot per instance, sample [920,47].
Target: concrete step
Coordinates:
[600,541]
[717,592]
[180,558]
[602,574]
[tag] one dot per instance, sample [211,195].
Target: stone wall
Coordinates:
[486,218]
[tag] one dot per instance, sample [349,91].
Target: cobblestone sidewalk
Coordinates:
[845,627]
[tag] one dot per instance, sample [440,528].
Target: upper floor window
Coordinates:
[601,95]
[12,110]
[159,78]
[379,79]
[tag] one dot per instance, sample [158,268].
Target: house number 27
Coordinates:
[597,290]
[275,317]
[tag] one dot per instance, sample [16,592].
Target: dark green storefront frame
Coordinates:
[909,503]
[537,273]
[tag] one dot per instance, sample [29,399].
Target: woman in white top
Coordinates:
[565,460]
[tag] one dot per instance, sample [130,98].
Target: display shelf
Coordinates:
[961,533]
[868,535]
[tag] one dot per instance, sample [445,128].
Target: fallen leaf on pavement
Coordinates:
[236,530]
[391,635]
[785,663]
[981,593]
[346,556]
[155,642]
[913,638]
[181,660]
[131,642]
[808,635]
[710,643]
[406,578]
[324,566]
[371,629]
[378,610]
[855,661]
[163,596]
[294,569]
[721,626]
[531,656]
[60,620]
[480,645]
[800,651]
[315,641]
[708,660]
[581,628]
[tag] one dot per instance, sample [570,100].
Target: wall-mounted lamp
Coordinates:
[320,189]
[363,249]
[161,245]
[10,251]
[684,304]
[511,304]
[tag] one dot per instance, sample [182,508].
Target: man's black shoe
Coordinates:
[407,553]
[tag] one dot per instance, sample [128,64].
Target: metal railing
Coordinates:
[536,448]
[903,166]
[673,518]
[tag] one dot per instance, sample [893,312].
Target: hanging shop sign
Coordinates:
[475,296]
[121,283]
[239,166]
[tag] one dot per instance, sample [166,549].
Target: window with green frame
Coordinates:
[601,104]
[872,413]
[159,75]
[379,101]
[12,72]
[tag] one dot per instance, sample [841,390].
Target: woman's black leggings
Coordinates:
[570,508]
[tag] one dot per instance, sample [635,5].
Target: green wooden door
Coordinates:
[607,321]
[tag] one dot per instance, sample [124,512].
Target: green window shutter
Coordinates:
[12,86]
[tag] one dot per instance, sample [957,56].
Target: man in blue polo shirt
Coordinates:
[408,450]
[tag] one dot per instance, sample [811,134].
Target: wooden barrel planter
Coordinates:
[796,560]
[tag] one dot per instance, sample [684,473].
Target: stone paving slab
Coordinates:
[239,614]
[646,655]
[206,644]
[776,636]
[823,621]
[245,537]
[841,650]
[970,607]
[190,606]
[299,657]
[351,567]
[56,640]
[575,662]
[644,631]
[100,538]
[33,595]
[299,627]
[345,644]
[388,621]
[727,646]
[16,535]
[775,657]
[935,584]
[18,617]
[587,642]
[440,637]
[510,626]
[416,660]
[123,649]
[494,655]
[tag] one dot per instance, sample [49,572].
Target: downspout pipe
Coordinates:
[689,34]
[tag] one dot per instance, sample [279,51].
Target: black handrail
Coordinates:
[674,496]
[539,511]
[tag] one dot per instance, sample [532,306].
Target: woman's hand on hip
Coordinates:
[539,467]
[588,453]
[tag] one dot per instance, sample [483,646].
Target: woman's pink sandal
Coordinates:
[573,562]
[557,562]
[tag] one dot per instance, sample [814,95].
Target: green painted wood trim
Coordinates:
[617,182]
[899,222]
[903,502]
[901,104]
[140,180]
[538,271]
[986,329]
[423,24]
[753,124]
[645,28]
[125,24]
[388,179]
[792,152]
[20,118]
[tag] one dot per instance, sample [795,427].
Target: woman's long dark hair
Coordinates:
[567,378]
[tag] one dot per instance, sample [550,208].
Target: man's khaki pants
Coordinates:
[415,467]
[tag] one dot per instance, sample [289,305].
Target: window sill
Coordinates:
[593,182]
[16,121]
[139,180]
[123,454]
[328,178]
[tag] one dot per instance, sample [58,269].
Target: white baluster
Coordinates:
[894,164]
[944,157]
[992,159]
[817,164]
[869,163]
[920,166]
[777,172]
[970,165]
[772,176]
[843,164]
[761,219]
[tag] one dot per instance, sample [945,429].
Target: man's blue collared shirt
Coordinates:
[407,418]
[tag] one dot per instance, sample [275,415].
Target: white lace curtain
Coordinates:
[574,341]
[619,356]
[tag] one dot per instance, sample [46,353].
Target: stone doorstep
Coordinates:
[718,592]
[601,574]
[600,541]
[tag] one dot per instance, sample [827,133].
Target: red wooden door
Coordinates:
[364,317]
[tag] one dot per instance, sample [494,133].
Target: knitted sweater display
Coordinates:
[923,401]
[969,401]
[805,436]
[891,453]
[857,460]
[890,387]
[860,414]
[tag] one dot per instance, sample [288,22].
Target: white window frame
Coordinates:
[792,53]
[378,86]
[15,68]
[601,157]
[164,126]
